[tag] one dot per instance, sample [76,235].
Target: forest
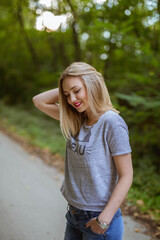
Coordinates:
[120,38]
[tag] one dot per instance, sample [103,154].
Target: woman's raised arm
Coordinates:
[47,102]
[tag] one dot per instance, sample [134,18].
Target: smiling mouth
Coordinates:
[77,104]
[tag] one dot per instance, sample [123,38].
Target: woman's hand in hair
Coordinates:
[47,102]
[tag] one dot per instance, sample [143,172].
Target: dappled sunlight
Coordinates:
[121,39]
[50,22]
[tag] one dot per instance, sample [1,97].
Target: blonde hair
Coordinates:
[98,97]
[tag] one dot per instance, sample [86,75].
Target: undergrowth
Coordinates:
[42,131]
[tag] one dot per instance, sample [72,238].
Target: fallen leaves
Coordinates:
[137,230]
[140,202]
[153,228]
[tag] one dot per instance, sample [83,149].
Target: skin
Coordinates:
[76,92]
[47,103]
[125,172]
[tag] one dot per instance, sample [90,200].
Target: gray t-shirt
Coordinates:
[90,172]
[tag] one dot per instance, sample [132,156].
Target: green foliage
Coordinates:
[143,120]
[123,43]
[35,127]
[135,101]
[146,188]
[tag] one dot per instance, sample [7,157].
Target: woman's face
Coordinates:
[76,93]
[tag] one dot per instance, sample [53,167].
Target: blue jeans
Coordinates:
[77,219]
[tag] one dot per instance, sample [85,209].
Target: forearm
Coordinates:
[48,97]
[116,199]
[47,103]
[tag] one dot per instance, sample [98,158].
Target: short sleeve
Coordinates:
[118,137]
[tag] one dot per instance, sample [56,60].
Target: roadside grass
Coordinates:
[36,127]
[145,191]
[42,131]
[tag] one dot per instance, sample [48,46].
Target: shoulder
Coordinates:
[112,118]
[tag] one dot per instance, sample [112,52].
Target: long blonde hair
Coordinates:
[98,97]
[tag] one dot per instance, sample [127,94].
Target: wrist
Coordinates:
[104,219]
[103,225]
[106,216]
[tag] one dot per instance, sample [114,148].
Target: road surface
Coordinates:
[31,204]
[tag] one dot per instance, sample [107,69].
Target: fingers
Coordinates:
[88,224]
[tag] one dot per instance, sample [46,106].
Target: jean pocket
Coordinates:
[117,214]
[100,235]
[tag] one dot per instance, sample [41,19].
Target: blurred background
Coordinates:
[120,38]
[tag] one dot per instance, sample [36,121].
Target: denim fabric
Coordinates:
[77,219]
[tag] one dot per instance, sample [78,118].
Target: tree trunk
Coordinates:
[57,54]
[75,34]
[27,39]
[158,9]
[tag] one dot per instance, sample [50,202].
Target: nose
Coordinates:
[72,98]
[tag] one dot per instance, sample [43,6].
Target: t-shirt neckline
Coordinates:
[91,126]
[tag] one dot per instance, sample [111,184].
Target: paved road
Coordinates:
[31,205]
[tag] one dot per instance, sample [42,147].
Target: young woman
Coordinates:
[98,165]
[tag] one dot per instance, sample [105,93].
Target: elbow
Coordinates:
[35,101]
[131,176]
[129,179]
[130,182]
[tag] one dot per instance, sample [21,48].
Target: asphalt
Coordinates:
[31,205]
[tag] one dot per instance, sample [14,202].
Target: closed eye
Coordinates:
[74,92]
[77,91]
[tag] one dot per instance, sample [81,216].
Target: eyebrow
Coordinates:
[71,88]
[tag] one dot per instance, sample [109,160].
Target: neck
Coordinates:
[92,118]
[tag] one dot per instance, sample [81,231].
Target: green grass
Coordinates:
[43,131]
[36,127]
[145,190]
